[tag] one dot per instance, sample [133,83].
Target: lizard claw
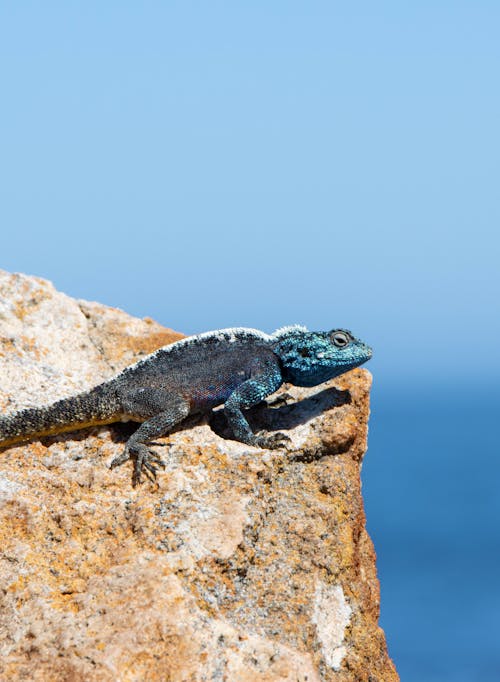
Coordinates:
[144,457]
[120,459]
[274,441]
[144,460]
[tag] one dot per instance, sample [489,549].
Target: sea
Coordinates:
[431,485]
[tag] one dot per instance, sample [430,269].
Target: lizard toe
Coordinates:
[147,462]
[273,441]
[120,459]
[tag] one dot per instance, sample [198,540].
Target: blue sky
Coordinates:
[258,164]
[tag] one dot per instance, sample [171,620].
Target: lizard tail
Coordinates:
[97,406]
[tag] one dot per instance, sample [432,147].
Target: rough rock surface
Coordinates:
[239,565]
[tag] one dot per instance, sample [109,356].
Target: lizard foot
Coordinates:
[144,460]
[272,442]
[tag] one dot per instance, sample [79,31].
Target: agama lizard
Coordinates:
[235,367]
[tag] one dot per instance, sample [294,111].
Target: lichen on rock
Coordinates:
[239,564]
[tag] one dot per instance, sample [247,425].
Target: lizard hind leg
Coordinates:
[165,411]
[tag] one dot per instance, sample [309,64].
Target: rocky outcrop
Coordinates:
[238,565]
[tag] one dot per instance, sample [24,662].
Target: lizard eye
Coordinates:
[340,339]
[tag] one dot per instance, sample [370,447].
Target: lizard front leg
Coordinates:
[168,410]
[265,378]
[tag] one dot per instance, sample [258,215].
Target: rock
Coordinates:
[238,565]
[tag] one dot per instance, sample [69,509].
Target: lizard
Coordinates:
[235,367]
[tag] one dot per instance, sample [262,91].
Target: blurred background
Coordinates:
[260,164]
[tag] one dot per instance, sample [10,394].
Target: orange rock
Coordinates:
[238,565]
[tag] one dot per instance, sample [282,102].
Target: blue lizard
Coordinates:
[236,367]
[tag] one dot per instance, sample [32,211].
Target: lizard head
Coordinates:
[310,358]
